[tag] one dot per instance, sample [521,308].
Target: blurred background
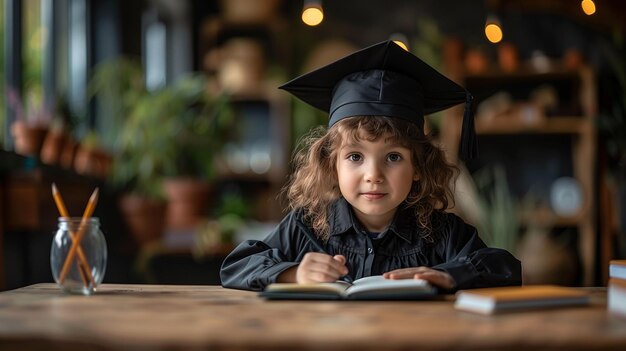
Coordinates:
[171,108]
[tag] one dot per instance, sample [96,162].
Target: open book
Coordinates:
[492,300]
[367,288]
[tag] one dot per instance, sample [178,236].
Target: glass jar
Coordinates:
[79,270]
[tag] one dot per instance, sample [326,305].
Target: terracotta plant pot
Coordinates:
[66,159]
[508,57]
[476,61]
[53,147]
[547,261]
[573,60]
[188,200]
[28,138]
[93,162]
[145,218]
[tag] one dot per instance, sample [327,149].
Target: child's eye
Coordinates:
[354,157]
[394,157]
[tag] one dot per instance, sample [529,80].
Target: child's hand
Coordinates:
[319,268]
[433,276]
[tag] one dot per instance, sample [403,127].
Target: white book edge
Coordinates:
[617,271]
[488,305]
[616,299]
[379,283]
[475,303]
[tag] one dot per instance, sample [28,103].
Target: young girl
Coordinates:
[369,194]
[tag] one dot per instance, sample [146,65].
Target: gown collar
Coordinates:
[342,220]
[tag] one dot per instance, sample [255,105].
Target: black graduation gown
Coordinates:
[456,249]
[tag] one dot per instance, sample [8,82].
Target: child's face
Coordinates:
[375,177]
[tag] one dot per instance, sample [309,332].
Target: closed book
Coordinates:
[367,288]
[617,269]
[616,297]
[492,300]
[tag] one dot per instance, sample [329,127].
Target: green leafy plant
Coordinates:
[487,202]
[198,125]
[117,84]
[175,131]
[213,234]
[118,87]
[138,166]
[500,221]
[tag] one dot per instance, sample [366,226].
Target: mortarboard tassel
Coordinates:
[469,146]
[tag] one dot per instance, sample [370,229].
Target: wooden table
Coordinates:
[210,317]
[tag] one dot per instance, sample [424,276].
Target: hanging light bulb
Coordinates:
[312,12]
[493,31]
[589,7]
[401,40]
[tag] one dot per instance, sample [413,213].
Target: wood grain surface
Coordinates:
[159,317]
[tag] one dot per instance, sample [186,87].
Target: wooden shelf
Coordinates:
[547,218]
[525,131]
[248,176]
[525,74]
[549,125]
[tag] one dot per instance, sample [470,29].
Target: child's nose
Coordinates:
[373,173]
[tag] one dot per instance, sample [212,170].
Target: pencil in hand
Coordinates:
[313,240]
[91,205]
[83,264]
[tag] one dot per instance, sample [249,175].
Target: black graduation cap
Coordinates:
[384,80]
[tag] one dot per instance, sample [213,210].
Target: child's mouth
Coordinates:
[373,196]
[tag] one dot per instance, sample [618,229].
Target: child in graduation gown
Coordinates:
[370,193]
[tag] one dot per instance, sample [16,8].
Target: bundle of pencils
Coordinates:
[76,237]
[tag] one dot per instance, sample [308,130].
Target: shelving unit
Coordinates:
[258,165]
[237,51]
[537,151]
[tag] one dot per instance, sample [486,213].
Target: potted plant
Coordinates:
[171,134]
[90,158]
[195,126]
[31,124]
[129,133]
[59,135]
[138,170]
[484,199]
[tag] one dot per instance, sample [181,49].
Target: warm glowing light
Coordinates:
[312,16]
[401,44]
[589,7]
[493,33]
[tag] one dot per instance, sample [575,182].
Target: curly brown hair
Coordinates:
[313,186]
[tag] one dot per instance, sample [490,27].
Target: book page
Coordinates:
[368,288]
[379,283]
